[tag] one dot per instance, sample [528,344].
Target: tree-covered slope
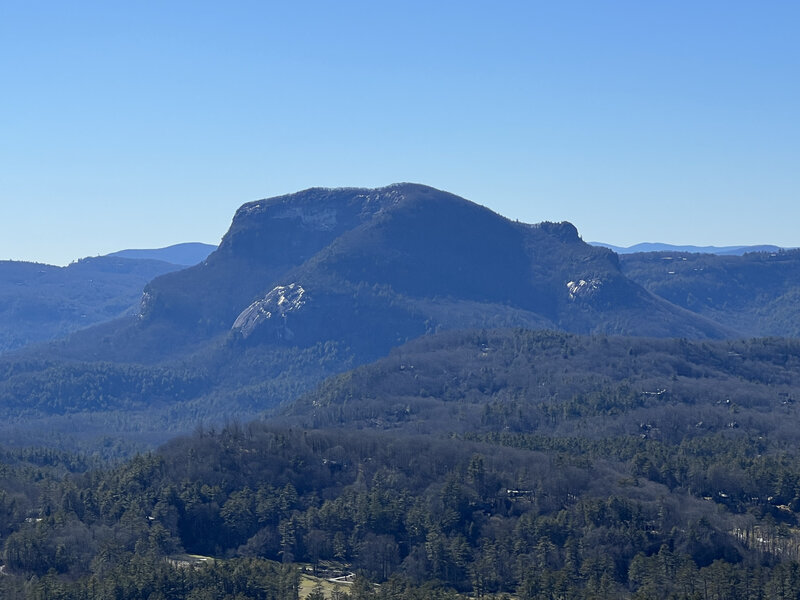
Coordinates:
[536,464]
[562,384]
[757,294]
[43,302]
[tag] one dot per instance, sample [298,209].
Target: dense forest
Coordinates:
[526,381]
[483,463]
[506,514]
[113,407]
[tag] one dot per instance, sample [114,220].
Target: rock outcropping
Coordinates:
[274,309]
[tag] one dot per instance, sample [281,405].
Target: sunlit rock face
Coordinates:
[583,288]
[273,308]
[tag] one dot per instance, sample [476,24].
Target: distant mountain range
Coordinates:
[657,247]
[186,254]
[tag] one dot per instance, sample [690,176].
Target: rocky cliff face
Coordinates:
[273,309]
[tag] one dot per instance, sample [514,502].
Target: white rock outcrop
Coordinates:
[277,304]
[583,288]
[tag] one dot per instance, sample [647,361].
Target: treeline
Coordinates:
[137,576]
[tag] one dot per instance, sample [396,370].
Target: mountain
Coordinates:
[186,254]
[658,247]
[757,293]
[405,258]
[41,302]
[310,284]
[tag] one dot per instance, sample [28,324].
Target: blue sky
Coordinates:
[142,124]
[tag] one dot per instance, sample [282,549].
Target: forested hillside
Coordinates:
[474,516]
[110,407]
[535,464]
[756,294]
[43,302]
[528,381]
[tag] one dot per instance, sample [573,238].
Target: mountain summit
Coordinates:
[379,266]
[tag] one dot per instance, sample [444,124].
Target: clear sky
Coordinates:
[143,124]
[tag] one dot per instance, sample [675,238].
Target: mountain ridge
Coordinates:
[755,293]
[662,247]
[185,254]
